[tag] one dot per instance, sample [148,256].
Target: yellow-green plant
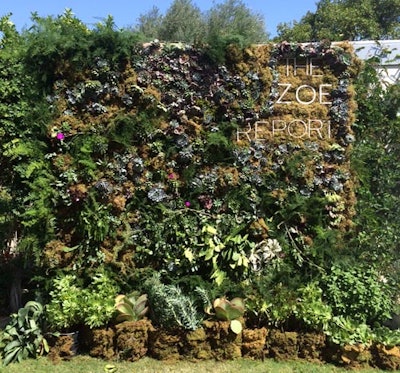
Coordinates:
[226,253]
[64,311]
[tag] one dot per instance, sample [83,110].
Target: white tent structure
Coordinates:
[388,54]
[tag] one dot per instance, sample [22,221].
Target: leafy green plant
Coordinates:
[225,253]
[98,300]
[130,307]
[378,204]
[23,336]
[343,330]
[65,309]
[311,309]
[387,337]
[357,293]
[169,307]
[72,303]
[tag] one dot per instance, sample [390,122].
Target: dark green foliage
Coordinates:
[58,47]
[218,147]
[375,158]
[345,20]
[51,41]
[111,44]
[129,130]
[219,45]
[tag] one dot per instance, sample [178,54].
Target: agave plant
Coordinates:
[224,309]
[131,308]
[230,311]
[23,336]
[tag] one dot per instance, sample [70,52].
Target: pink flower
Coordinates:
[60,136]
[171,176]
[187,204]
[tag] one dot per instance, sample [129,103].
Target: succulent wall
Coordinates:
[169,161]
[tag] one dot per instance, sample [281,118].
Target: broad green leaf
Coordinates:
[124,308]
[236,326]
[220,313]
[10,357]
[12,345]
[209,254]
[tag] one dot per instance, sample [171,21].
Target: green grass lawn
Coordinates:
[85,364]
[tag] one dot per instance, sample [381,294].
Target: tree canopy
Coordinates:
[338,20]
[185,22]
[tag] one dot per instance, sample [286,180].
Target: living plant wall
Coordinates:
[141,157]
[165,159]
[173,162]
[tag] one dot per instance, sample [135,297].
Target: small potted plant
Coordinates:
[64,315]
[132,328]
[97,337]
[224,330]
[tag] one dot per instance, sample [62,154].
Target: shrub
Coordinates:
[98,298]
[72,303]
[65,309]
[169,307]
[357,293]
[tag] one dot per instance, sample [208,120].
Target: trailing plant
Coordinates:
[130,307]
[23,336]
[169,307]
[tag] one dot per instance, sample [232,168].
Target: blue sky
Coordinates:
[126,12]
